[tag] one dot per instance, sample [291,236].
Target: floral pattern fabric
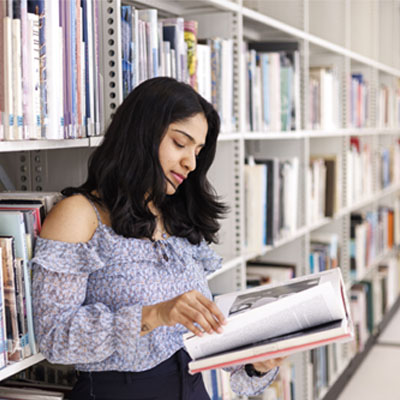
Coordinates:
[87,300]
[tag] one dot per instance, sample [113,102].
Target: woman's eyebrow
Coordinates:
[188,136]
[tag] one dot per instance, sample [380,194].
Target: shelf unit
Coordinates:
[349,32]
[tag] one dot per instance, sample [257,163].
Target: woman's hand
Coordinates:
[267,365]
[187,309]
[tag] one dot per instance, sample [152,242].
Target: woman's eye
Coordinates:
[181,146]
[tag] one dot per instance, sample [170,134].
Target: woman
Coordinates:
[120,267]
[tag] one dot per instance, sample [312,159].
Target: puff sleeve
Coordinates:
[69,331]
[209,258]
[242,384]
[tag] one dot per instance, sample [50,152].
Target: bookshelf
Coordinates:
[351,36]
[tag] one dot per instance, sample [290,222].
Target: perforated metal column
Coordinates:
[110,57]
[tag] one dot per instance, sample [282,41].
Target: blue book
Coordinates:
[126,47]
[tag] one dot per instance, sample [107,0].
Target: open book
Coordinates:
[275,320]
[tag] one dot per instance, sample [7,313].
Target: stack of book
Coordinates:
[50,83]
[324,96]
[21,217]
[273,86]
[153,46]
[271,193]
[359,98]
[324,177]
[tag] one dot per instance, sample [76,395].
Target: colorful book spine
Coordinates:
[191,28]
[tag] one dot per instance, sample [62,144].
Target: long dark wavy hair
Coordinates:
[126,174]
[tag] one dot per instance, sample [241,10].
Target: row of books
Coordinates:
[273,86]
[324,176]
[29,393]
[388,106]
[217,384]
[324,251]
[271,193]
[49,81]
[283,387]
[371,298]
[389,165]
[324,366]
[372,233]
[359,170]
[359,100]
[21,217]
[153,46]
[324,98]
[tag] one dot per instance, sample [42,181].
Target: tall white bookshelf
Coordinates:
[351,35]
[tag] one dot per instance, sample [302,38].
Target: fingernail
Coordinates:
[200,334]
[220,330]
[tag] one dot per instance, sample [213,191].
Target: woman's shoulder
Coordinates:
[71,220]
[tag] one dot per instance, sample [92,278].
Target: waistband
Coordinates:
[176,364]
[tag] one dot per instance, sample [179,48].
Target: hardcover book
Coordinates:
[275,320]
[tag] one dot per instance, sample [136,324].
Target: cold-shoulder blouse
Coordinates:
[87,300]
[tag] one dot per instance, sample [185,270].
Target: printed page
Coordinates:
[279,310]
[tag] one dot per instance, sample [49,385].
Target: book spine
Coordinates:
[27,105]
[8,61]
[17,73]
[191,28]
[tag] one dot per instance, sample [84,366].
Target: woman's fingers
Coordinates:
[265,366]
[192,308]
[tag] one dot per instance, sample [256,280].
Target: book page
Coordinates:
[297,305]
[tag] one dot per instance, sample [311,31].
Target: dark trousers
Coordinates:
[169,380]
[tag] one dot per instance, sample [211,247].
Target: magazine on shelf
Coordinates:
[275,320]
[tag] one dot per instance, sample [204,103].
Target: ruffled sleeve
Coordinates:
[244,385]
[209,258]
[69,331]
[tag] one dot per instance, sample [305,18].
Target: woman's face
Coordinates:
[179,148]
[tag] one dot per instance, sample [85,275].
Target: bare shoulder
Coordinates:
[72,220]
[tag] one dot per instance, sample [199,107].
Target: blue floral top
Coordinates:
[87,301]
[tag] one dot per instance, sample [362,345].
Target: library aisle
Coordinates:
[378,376]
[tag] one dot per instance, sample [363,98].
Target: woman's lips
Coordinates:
[177,177]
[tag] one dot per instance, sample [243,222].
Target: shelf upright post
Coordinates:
[110,58]
[239,112]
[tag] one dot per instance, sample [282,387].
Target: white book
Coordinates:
[204,71]
[83,90]
[179,50]
[150,17]
[275,320]
[173,64]
[17,80]
[135,49]
[166,50]
[227,84]
[91,70]
[361,243]
[53,69]
[34,56]
[9,133]
[255,177]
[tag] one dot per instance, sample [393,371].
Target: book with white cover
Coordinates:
[275,320]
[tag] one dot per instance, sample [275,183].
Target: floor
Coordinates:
[378,377]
